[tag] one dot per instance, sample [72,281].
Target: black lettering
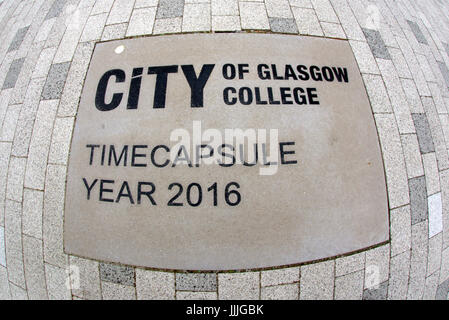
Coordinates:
[123,194]
[263,73]
[89,188]
[103,190]
[92,148]
[226,96]
[135,155]
[153,152]
[140,192]
[134,88]
[284,153]
[312,96]
[123,155]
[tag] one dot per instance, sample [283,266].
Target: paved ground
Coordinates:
[402,48]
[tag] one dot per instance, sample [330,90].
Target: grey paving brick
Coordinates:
[348,20]
[18,39]
[412,95]
[280,276]
[431,172]
[55,81]
[431,287]
[444,274]
[170,9]
[444,71]
[114,31]
[5,152]
[434,254]
[418,199]
[379,293]
[399,276]
[13,73]
[333,30]
[283,25]
[423,132]
[307,21]
[417,32]
[117,274]
[412,155]
[376,43]
[253,16]
[225,23]
[196,281]
[442,291]
[56,9]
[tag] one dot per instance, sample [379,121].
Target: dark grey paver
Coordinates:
[376,44]
[170,9]
[444,71]
[196,281]
[417,32]
[423,132]
[442,291]
[55,9]
[55,81]
[117,274]
[18,39]
[376,294]
[13,73]
[418,199]
[283,25]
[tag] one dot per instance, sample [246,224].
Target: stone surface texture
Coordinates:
[43,57]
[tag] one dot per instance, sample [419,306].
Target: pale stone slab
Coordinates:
[238,232]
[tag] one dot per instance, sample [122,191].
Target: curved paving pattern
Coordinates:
[402,49]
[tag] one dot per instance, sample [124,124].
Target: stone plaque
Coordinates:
[224,152]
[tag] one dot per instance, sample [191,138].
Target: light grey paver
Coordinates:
[56,9]
[34,268]
[280,276]
[324,11]
[117,273]
[434,254]
[224,7]
[280,292]
[376,43]
[170,9]
[85,273]
[32,213]
[114,31]
[396,172]
[431,287]
[196,281]
[435,214]
[2,247]
[412,155]
[13,73]
[196,17]
[238,286]
[10,122]
[155,285]
[317,281]
[333,30]
[412,95]
[377,93]
[442,291]
[18,38]
[40,145]
[253,16]
[307,21]
[400,230]
[94,27]
[283,25]
[349,264]
[120,11]
[169,25]
[60,141]
[378,293]
[102,6]
[16,175]
[431,171]
[114,291]
[377,266]
[399,275]
[364,57]
[141,22]
[187,295]
[13,243]
[350,286]
[423,132]
[55,81]
[278,9]
[417,32]
[53,216]
[444,71]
